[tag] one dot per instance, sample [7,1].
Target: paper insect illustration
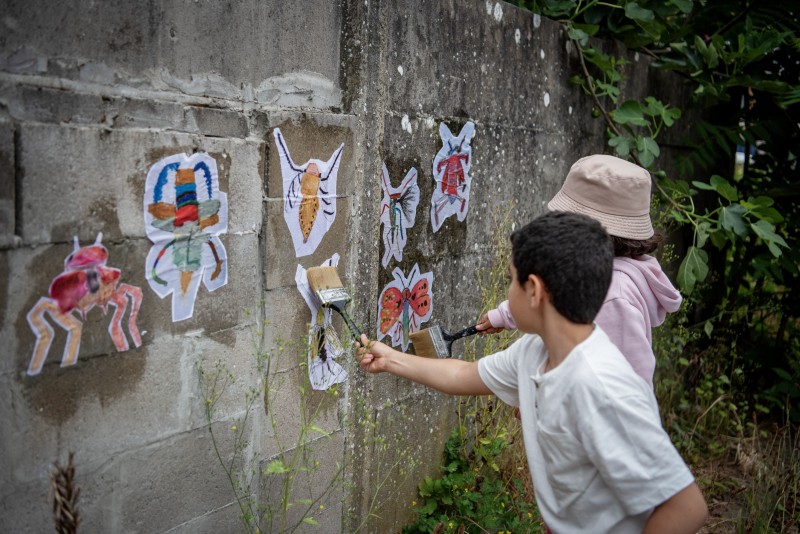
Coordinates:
[323,343]
[85,283]
[405,304]
[184,212]
[309,196]
[398,212]
[451,168]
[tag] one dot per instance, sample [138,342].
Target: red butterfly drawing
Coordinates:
[405,303]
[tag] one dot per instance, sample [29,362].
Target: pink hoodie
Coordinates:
[638,299]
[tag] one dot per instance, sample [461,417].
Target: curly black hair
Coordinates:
[573,255]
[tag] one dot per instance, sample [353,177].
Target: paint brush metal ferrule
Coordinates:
[333,294]
[437,338]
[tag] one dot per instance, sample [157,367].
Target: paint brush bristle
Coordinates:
[323,278]
[435,342]
[429,342]
[325,283]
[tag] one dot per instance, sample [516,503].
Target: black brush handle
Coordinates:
[355,330]
[468,331]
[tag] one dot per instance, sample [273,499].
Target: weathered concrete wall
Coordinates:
[93,94]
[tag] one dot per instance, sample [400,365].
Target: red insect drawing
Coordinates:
[405,303]
[85,283]
[451,168]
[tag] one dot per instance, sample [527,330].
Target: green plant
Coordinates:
[392,457]
[485,484]
[285,477]
[733,197]
[472,499]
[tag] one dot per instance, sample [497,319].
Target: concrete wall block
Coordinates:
[318,476]
[313,136]
[166,484]
[233,350]
[101,407]
[495,69]
[225,519]
[27,507]
[191,51]
[96,181]
[217,122]
[281,262]
[404,445]
[7,183]
[287,409]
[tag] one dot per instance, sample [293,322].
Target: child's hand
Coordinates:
[485,327]
[373,355]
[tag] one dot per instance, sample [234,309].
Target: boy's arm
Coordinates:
[455,377]
[684,512]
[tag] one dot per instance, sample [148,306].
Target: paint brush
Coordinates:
[325,283]
[435,342]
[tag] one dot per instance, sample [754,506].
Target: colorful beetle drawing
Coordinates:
[184,213]
[405,303]
[451,168]
[323,342]
[309,192]
[85,283]
[398,212]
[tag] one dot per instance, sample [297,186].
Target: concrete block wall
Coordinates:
[93,94]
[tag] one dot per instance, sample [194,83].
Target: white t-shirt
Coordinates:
[599,458]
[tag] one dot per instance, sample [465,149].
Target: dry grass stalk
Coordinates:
[64,494]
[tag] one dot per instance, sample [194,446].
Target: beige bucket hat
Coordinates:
[612,191]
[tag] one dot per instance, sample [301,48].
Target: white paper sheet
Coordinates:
[184,213]
[398,212]
[309,196]
[451,168]
[405,303]
[323,342]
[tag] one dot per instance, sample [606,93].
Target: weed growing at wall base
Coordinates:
[485,484]
[288,480]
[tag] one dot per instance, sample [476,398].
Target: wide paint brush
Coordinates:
[435,342]
[325,283]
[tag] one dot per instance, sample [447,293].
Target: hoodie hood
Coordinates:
[655,290]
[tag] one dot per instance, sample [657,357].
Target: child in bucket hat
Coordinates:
[616,193]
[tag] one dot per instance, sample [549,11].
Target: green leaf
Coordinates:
[724,188]
[590,29]
[693,269]
[766,232]
[636,12]
[670,115]
[630,112]
[703,230]
[708,328]
[428,507]
[577,34]
[310,521]
[621,144]
[685,6]
[702,185]
[276,467]
[651,146]
[731,219]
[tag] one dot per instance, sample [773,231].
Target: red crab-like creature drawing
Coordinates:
[85,283]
